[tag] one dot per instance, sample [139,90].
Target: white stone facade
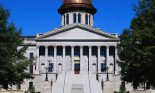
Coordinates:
[91,49]
[76,57]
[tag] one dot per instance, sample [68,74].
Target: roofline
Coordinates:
[78,40]
[63,28]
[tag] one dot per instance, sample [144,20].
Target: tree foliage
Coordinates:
[137,46]
[13,63]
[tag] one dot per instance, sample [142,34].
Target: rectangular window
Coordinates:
[30,85]
[103,51]
[31,66]
[74,18]
[68,51]
[59,51]
[67,19]
[103,67]
[51,51]
[31,55]
[86,19]
[50,68]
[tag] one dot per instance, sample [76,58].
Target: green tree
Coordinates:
[13,63]
[137,47]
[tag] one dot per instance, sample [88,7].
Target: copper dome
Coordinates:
[77,5]
[77,1]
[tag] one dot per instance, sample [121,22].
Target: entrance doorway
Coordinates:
[77,68]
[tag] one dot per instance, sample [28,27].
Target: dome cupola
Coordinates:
[77,5]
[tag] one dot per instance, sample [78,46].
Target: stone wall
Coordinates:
[141,92]
[12,92]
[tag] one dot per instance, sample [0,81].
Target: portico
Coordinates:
[84,56]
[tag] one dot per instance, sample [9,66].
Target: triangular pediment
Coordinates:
[76,32]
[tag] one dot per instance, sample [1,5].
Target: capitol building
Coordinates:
[76,57]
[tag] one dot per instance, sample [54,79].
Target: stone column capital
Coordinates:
[64,46]
[90,46]
[81,46]
[107,46]
[98,46]
[46,46]
[72,46]
[54,46]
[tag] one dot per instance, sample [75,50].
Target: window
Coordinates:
[30,85]
[50,68]
[86,19]
[103,51]
[68,51]
[94,51]
[31,66]
[50,51]
[85,51]
[89,19]
[64,19]
[67,19]
[31,69]
[77,51]
[79,18]
[111,51]
[42,51]
[31,55]
[59,51]
[74,18]
[103,67]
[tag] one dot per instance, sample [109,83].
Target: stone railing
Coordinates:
[12,92]
[141,92]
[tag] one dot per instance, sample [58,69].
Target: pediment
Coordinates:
[76,32]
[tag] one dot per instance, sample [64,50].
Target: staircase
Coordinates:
[76,83]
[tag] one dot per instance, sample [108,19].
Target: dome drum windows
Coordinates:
[79,18]
[74,18]
[86,19]
[67,19]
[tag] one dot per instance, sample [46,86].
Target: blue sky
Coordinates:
[40,16]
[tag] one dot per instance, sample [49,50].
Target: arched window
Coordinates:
[89,19]
[86,19]
[74,18]
[50,51]
[103,51]
[67,19]
[79,18]
[59,50]
[64,19]
[41,51]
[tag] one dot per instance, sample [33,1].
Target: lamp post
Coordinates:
[107,79]
[46,78]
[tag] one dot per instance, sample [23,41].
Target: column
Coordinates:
[37,63]
[99,59]
[62,20]
[83,18]
[107,56]
[64,58]
[90,52]
[55,61]
[81,55]
[72,55]
[92,20]
[70,18]
[46,55]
